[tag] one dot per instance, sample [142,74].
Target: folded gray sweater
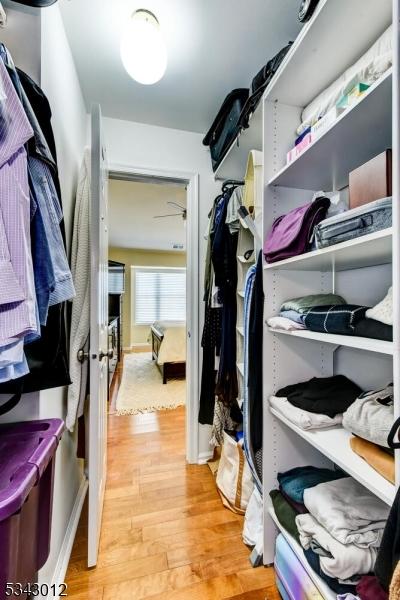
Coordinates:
[371,416]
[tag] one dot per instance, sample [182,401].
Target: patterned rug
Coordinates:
[142,389]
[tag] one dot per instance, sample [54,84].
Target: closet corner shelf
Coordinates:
[349,341]
[367,251]
[235,161]
[323,588]
[334,443]
[240,331]
[240,368]
[347,144]
[311,66]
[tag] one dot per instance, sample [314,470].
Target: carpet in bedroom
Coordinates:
[142,389]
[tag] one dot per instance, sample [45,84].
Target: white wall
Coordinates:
[39,45]
[60,83]
[150,147]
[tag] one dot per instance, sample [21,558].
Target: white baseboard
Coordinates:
[69,537]
[204,457]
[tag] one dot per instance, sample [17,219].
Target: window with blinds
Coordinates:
[159,294]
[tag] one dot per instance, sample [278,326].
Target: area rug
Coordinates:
[142,389]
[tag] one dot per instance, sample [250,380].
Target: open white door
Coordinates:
[98,336]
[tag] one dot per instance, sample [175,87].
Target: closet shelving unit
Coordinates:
[361,270]
[245,243]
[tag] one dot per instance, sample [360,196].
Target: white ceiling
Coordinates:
[213,47]
[132,207]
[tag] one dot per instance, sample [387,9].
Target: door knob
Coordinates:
[102,355]
[110,353]
[82,356]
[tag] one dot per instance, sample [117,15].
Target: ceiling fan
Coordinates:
[182,212]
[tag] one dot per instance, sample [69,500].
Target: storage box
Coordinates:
[349,99]
[297,150]
[321,126]
[26,490]
[371,181]
[292,579]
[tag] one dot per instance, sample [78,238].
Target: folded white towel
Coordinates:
[383,311]
[284,323]
[303,418]
[350,513]
[345,562]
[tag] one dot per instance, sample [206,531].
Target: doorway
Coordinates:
[153,234]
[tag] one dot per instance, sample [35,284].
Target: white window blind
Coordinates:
[159,294]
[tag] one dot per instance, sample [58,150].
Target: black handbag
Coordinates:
[260,83]
[36,3]
[226,126]
[307,8]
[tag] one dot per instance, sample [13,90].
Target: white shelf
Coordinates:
[240,368]
[349,341]
[317,59]
[367,251]
[240,331]
[347,144]
[324,589]
[233,166]
[241,293]
[334,443]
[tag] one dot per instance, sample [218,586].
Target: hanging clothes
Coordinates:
[255,358]
[41,348]
[80,315]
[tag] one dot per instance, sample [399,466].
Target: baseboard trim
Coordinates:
[204,457]
[68,541]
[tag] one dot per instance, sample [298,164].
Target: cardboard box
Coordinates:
[371,181]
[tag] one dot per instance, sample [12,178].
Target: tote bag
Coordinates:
[234,479]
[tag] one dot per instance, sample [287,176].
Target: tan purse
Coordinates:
[234,479]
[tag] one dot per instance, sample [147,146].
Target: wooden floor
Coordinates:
[165,535]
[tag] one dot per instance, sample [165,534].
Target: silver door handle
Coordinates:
[102,355]
[110,353]
[82,355]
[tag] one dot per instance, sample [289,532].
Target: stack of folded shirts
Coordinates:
[292,312]
[320,401]
[378,321]
[371,417]
[344,528]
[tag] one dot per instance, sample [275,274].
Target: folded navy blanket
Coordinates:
[335,318]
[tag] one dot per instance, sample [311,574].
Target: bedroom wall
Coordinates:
[138,334]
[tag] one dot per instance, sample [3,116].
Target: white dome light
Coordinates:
[143,50]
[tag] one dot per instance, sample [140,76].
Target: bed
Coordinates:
[168,343]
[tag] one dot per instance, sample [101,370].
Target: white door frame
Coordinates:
[192,291]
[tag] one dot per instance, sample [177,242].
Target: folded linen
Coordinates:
[374,329]
[313,560]
[322,395]
[293,315]
[339,319]
[342,561]
[299,508]
[295,481]
[383,311]
[303,418]
[375,456]
[285,513]
[284,324]
[348,511]
[304,303]
[371,416]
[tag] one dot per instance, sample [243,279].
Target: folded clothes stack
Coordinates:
[370,418]
[329,313]
[340,537]
[317,403]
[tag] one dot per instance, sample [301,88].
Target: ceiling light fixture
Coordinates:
[143,50]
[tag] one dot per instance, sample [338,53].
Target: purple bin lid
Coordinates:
[25,451]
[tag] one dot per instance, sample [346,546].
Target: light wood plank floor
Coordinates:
[165,535]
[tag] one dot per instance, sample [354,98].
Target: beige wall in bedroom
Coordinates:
[132,334]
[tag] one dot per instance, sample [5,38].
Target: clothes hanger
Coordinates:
[231,183]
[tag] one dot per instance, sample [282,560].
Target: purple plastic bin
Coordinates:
[27,452]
